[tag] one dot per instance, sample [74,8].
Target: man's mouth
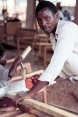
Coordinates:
[47,30]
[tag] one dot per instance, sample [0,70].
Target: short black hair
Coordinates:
[44,4]
[2,50]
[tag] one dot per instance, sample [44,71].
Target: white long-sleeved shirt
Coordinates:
[3,73]
[64,61]
[3,76]
[12,88]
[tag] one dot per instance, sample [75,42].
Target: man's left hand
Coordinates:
[20,96]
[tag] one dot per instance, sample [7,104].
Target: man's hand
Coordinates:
[20,96]
[16,62]
[3,61]
[38,86]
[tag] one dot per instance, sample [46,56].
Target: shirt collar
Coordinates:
[57,29]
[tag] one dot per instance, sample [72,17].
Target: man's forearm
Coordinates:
[12,70]
[16,62]
[37,87]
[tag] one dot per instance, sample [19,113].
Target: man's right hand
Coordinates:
[16,62]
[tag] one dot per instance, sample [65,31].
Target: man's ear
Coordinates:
[56,15]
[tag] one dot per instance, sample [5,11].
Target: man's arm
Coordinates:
[39,85]
[12,69]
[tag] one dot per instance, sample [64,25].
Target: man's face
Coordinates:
[47,20]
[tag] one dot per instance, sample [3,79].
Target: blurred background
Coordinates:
[18,8]
[19,28]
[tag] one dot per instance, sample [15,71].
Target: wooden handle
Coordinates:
[26,51]
[23,55]
[33,73]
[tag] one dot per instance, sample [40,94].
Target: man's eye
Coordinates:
[47,18]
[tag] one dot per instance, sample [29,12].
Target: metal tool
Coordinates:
[23,71]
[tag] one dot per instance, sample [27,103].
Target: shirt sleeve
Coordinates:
[63,50]
[3,73]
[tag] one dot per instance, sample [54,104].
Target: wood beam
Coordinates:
[11,114]
[26,115]
[27,75]
[30,20]
[50,110]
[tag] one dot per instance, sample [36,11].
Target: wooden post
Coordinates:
[30,20]
[76,12]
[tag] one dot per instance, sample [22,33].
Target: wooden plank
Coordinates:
[56,112]
[26,115]
[51,110]
[31,110]
[27,75]
[65,108]
[10,114]
[34,111]
[43,44]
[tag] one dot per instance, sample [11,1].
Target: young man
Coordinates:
[64,39]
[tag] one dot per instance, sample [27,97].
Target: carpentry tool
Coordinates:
[4,90]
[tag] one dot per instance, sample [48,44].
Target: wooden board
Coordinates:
[27,75]
[25,115]
[10,114]
[50,110]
